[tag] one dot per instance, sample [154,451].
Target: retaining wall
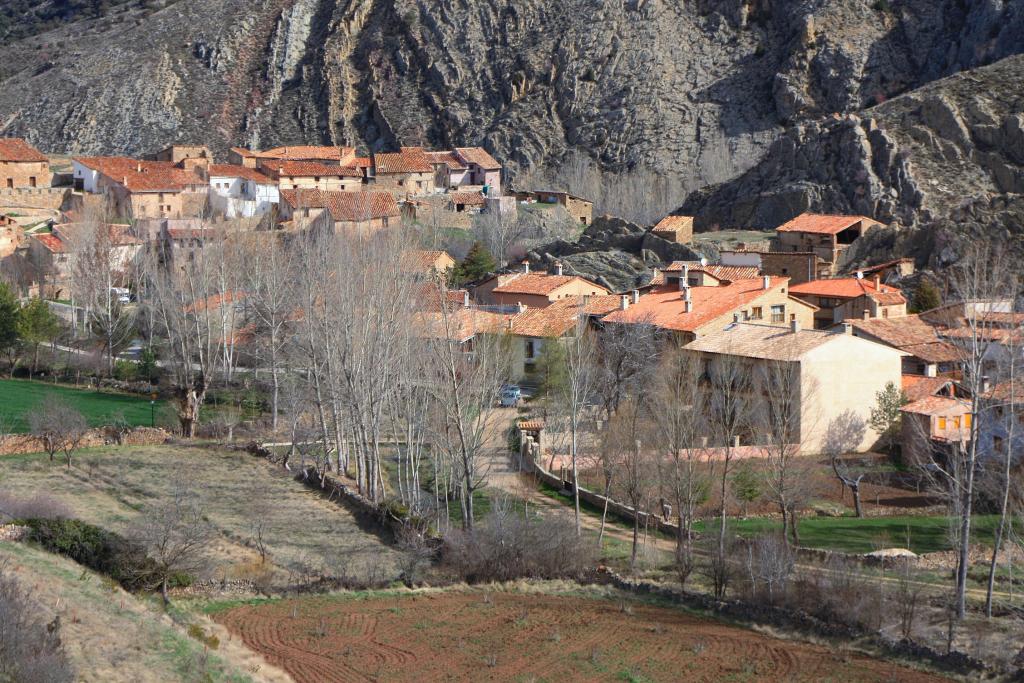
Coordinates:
[14,444]
[33,197]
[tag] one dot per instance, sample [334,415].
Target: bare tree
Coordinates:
[174,532]
[844,433]
[30,649]
[58,427]
[638,470]
[577,390]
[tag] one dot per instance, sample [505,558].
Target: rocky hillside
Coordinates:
[701,88]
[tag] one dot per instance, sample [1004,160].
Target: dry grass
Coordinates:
[305,535]
[110,635]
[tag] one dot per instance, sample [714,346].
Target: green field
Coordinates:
[19,397]
[853,535]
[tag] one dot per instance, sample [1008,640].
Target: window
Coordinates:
[32,181]
[779,313]
[885,312]
[316,179]
[956,422]
[785,271]
[997,443]
[756,313]
[531,349]
[942,424]
[967,421]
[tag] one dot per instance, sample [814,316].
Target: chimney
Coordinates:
[509,319]
[766,282]
[465,299]
[558,267]
[636,296]
[735,318]
[794,325]
[878,281]
[520,307]
[847,329]
[138,167]
[684,278]
[860,274]
[867,314]
[687,306]
[623,303]
[687,296]
[526,266]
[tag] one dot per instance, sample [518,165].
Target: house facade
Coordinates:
[240,192]
[407,173]
[338,211]
[22,165]
[579,208]
[677,229]
[842,299]
[825,236]
[145,189]
[312,175]
[535,290]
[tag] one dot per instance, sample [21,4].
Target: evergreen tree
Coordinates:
[9,341]
[926,297]
[552,376]
[37,324]
[746,485]
[478,263]
[885,416]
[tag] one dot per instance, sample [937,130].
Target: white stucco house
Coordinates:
[240,192]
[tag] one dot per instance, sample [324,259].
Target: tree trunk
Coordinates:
[604,516]
[794,523]
[855,489]
[163,592]
[575,481]
[636,538]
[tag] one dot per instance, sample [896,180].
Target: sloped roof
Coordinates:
[409,160]
[468,198]
[664,307]
[731,273]
[540,284]
[821,223]
[769,342]
[423,260]
[562,316]
[479,156]
[849,288]
[459,324]
[52,243]
[345,206]
[938,406]
[233,171]
[448,158]
[305,152]
[17,149]
[916,387]
[909,333]
[310,169]
[674,223]
[144,176]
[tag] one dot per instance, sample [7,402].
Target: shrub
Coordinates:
[30,650]
[125,370]
[510,545]
[38,506]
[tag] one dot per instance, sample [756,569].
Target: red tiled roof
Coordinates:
[938,405]
[144,176]
[120,235]
[409,160]
[449,159]
[916,387]
[878,267]
[478,156]
[345,206]
[310,169]
[731,273]
[909,333]
[821,223]
[233,171]
[423,260]
[305,153]
[52,243]
[664,308]
[458,324]
[849,288]
[468,198]
[16,149]
[561,316]
[361,162]
[540,284]
[674,223]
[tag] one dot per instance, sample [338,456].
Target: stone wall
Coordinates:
[13,444]
[46,198]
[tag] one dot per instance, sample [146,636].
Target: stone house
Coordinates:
[407,173]
[925,351]
[52,265]
[678,229]
[22,165]
[466,202]
[798,266]
[331,155]
[580,209]
[338,211]
[176,154]
[934,424]
[852,297]
[481,169]
[831,387]
[144,189]
[703,274]
[823,235]
[240,192]
[11,236]
[312,175]
[425,263]
[689,313]
[536,290]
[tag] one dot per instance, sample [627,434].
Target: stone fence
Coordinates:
[14,444]
[49,198]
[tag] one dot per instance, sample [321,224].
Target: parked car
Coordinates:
[511,395]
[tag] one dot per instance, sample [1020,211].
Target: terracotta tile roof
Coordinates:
[306,153]
[674,223]
[233,171]
[16,149]
[423,260]
[427,297]
[449,159]
[243,152]
[530,425]
[1006,392]
[468,198]
[938,406]
[361,162]
[311,169]
[540,284]
[144,176]
[120,235]
[52,243]
[878,267]
[770,342]
[460,324]
[664,308]
[821,223]
[562,316]
[916,387]
[849,288]
[345,206]
[730,273]
[478,156]
[409,160]
[983,333]
[911,334]
[933,352]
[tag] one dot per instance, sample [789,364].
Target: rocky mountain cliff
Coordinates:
[709,91]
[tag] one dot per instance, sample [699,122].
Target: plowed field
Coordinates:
[525,637]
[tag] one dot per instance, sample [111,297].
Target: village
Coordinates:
[384,326]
